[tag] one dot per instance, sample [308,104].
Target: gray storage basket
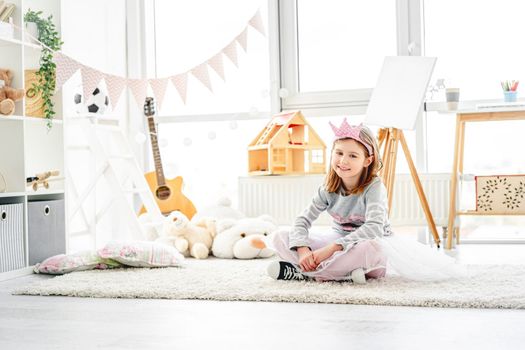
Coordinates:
[46,229]
[11,237]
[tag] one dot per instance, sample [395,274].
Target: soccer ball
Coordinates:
[96,103]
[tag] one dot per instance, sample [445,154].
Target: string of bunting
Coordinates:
[67,66]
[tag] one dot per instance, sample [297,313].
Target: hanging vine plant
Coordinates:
[48,36]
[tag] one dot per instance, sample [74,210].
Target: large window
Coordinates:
[475,50]
[478,44]
[341,44]
[188,33]
[330,56]
[205,140]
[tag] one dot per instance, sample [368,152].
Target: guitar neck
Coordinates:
[161,180]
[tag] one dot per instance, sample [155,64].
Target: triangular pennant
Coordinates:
[257,23]
[90,79]
[65,68]
[159,90]
[115,86]
[138,90]
[242,39]
[180,82]
[201,73]
[231,52]
[216,63]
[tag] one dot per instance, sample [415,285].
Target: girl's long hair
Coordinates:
[333,182]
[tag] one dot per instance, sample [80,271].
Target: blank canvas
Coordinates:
[399,92]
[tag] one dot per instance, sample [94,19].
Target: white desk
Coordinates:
[467,114]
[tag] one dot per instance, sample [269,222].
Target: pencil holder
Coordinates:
[510,96]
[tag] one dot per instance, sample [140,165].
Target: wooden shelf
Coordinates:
[41,120]
[30,194]
[12,194]
[12,117]
[486,213]
[12,41]
[43,192]
[28,119]
[29,146]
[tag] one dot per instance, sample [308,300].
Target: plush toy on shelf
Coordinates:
[42,179]
[190,238]
[244,238]
[8,95]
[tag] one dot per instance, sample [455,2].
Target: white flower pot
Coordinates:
[31,32]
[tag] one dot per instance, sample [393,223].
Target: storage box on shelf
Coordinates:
[27,148]
[12,238]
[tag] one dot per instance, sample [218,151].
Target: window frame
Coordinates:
[410,30]
[282,32]
[150,67]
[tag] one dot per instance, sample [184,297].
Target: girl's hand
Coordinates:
[306,259]
[324,253]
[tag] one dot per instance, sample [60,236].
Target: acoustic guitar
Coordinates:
[168,193]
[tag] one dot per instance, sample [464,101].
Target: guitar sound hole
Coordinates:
[163,192]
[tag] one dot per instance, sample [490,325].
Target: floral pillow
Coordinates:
[85,260]
[141,254]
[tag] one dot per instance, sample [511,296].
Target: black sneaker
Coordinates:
[283,270]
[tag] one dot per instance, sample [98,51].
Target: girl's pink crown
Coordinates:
[348,131]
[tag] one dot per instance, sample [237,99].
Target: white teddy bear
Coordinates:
[244,238]
[190,239]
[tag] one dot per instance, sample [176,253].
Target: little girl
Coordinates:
[355,197]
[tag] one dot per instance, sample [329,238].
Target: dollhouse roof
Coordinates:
[277,134]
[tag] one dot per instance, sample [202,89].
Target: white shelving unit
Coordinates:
[27,147]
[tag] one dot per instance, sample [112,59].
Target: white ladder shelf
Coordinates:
[125,186]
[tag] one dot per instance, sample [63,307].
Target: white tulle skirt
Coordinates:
[413,260]
[394,255]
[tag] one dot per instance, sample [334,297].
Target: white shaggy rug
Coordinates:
[488,286]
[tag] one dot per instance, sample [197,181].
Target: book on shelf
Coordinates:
[3,5]
[7,12]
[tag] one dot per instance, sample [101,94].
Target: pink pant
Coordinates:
[365,254]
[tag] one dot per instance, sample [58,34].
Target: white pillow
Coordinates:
[141,254]
[85,260]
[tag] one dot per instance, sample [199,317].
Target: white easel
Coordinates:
[395,104]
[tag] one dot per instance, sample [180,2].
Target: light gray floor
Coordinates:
[28,322]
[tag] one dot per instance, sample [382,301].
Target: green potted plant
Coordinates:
[48,36]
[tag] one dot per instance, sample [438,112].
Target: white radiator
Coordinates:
[406,207]
[284,197]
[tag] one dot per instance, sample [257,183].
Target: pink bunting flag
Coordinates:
[231,52]
[115,86]
[257,23]
[216,63]
[138,89]
[201,73]
[65,68]
[159,90]
[242,39]
[180,82]
[90,80]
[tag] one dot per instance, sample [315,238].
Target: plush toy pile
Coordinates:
[219,230]
[190,238]
[8,95]
[244,238]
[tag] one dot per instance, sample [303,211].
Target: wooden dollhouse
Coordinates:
[288,145]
